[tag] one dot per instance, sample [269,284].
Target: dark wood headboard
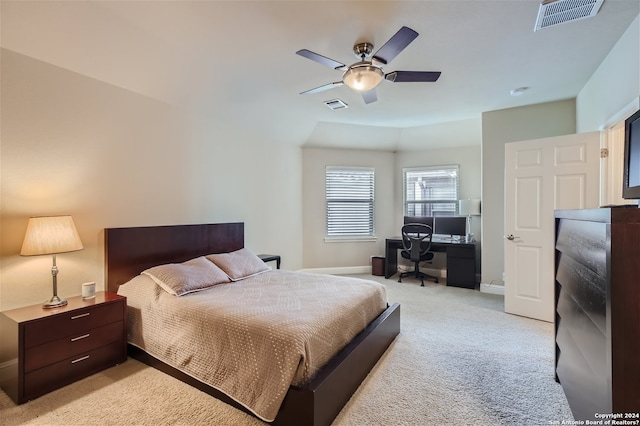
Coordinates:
[129,251]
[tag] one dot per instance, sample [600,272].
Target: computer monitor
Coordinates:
[450,225]
[427,220]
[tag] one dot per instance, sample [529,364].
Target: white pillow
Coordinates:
[183,278]
[239,264]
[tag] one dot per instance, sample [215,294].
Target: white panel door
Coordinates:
[541,176]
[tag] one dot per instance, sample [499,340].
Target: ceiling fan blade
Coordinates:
[412,76]
[323,88]
[370,96]
[395,45]
[320,59]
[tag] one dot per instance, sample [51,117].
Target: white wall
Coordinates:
[109,157]
[614,85]
[389,211]
[498,128]
[467,157]
[319,253]
[469,160]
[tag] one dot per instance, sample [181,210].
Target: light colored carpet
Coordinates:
[459,360]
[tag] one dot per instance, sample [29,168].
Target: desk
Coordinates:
[461,260]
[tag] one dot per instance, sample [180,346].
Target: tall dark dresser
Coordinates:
[597,324]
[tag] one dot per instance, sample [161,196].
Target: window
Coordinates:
[431,191]
[349,195]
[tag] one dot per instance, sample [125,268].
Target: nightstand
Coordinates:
[270,258]
[46,349]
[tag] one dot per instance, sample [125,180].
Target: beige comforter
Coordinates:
[253,338]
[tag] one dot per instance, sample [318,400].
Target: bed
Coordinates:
[130,251]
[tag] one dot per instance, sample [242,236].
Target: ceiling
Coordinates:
[236,61]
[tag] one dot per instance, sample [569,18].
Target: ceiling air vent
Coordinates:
[555,12]
[335,104]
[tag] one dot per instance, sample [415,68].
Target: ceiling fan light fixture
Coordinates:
[363,77]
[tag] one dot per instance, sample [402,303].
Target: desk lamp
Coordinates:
[51,235]
[469,208]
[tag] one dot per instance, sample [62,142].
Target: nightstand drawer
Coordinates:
[72,323]
[51,352]
[56,375]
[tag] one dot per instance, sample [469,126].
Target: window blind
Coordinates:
[350,201]
[431,191]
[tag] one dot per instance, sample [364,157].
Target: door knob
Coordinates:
[510,237]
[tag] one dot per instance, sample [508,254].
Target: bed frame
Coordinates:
[129,251]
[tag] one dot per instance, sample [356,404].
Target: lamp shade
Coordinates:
[50,235]
[469,207]
[362,76]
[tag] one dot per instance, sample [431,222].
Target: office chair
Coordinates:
[416,243]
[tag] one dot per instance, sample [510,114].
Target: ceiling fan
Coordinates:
[365,75]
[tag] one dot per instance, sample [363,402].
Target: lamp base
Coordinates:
[54,302]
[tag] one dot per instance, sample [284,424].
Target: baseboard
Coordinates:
[440,273]
[344,270]
[7,369]
[492,289]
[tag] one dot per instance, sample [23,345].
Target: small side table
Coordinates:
[51,348]
[270,258]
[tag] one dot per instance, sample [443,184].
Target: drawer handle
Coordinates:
[84,336]
[80,359]
[86,314]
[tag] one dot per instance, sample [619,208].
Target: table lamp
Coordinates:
[51,235]
[469,208]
